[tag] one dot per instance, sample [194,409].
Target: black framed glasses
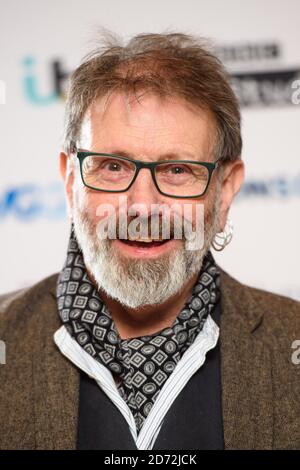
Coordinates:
[116,174]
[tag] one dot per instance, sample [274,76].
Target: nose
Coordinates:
[143,191]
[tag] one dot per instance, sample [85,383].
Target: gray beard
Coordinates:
[139,282]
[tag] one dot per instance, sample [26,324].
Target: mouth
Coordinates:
[145,242]
[145,247]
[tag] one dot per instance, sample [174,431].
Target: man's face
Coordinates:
[149,129]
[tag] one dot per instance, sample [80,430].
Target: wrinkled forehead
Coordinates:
[145,115]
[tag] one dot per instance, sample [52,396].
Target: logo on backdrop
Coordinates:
[259,77]
[55,75]
[30,202]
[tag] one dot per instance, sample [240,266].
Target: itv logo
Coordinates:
[32,80]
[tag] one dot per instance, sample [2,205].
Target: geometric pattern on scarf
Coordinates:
[141,365]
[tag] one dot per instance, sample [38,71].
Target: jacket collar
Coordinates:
[238,305]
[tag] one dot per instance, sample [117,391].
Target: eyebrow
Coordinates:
[166,156]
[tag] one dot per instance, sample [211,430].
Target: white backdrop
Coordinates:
[41,42]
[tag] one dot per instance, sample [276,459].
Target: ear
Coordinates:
[67,174]
[232,180]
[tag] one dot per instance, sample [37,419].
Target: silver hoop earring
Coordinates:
[222,239]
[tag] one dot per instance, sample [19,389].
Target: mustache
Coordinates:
[154,227]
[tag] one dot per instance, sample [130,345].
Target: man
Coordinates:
[142,341]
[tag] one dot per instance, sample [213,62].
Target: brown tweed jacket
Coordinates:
[260,383]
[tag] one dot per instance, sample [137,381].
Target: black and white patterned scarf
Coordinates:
[140,365]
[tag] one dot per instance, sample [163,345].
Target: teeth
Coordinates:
[145,240]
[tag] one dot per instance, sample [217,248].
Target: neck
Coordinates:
[148,319]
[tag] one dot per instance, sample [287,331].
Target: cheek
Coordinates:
[95,205]
[80,197]
[200,212]
[203,214]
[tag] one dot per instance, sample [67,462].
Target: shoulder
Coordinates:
[12,304]
[276,314]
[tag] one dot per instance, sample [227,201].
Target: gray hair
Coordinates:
[171,64]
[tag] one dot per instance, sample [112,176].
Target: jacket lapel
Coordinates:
[55,388]
[39,387]
[245,371]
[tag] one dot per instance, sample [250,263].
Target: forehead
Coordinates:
[146,124]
